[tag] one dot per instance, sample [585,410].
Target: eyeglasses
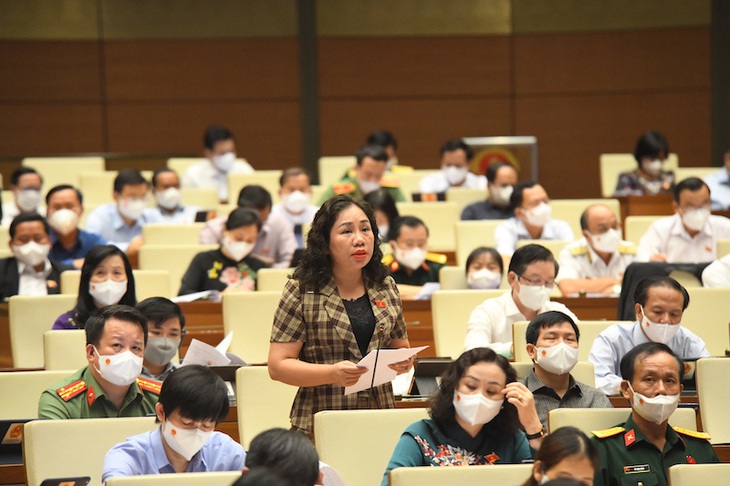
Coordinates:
[537,283]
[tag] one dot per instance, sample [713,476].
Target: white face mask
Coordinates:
[31,253]
[412,258]
[366,187]
[131,208]
[108,292]
[533,296]
[64,221]
[501,195]
[383,231]
[476,409]
[657,409]
[295,202]
[160,350]
[455,175]
[539,215]
[606,242]
[28,199]
[659,333]
[120,369]
[237,249]
[169,198]
[224,162]
[695,219]
[484,279]
[390,163]
[558,359]
[544,479]
[652,167]
[186,442]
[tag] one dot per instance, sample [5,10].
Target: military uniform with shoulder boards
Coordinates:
[348,185]
[427,272]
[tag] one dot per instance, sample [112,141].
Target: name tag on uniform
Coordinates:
[638,468]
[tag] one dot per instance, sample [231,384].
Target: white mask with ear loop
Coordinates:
[657,409]
[656,332]
[476,409]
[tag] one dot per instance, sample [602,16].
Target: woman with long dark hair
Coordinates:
[565,453]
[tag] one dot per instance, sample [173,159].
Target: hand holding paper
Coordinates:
[379,373]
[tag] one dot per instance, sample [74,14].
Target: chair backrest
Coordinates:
[505,474]
[681,173]
[613,164]
[450,310]
[269,179]
[250,316]
[707,317]
[272,279]
[636,226]
[570,210]
[202,197]
[262,403]
[723,247]
[5,234]
[30,317]
[463,197]
[64,170]
[25,388]
[588,419]
[175,259]
[377,432]
[75,447]
[694,474]
[147,283]
[454,278]
[218,478]
[583,371]
[331,169]
[589,330]
[97,187]
[64,350]
[555,246]
[714,396]
[473,234]
[410,182]
[439,217]
[172,234]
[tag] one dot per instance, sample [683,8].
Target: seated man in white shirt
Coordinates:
[719,184]
[166,188]
[531,221]
[659,303]
[26,185]
[455,158]
[596,262]
[296,200]
[220,150]
[691,234]
[29,271]
[531,277]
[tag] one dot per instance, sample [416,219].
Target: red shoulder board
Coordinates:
[343,188]
[389,181]
[149,385]
[71,390]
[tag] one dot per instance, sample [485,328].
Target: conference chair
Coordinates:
[172,234]
[636,226]
[714,395]
[262,403]
[269,179]
[707,317]
[374,431]
[439,217]
[75,447]
[64,170]
[570,210]
[463,196]
[589,419]
[64,350]
[582,372]
[25,388]
[331,169]
[555,246]
[218,478]
[613,164]
[589,330]
[97,187]
[205,198]
[681,173]
[175,259]
[410,182]
[250,316]
[694,474]
[504,475]
[272,279]
[470,235]
[148,283]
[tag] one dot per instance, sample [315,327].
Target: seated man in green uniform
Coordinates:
[641,450]
[110,385]
[367,176]
[411,265]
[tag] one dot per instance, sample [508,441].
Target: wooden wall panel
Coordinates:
[414,67]
[611,62]
[202,70]
[267,133]
[421,126]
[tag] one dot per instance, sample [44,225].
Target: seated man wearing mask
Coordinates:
[296,200]
[166,188]
[455,158]
[531,276]
[192,402]
[26,185]
[552,343]
[596,262]
[501,177]
[166,329]
[29,271]
[531,221]
[110,385]
[70,244]
[659,303]
[641,450]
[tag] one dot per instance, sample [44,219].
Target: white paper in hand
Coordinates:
[383,373]
[204,354]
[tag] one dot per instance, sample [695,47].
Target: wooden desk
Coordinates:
[591,308]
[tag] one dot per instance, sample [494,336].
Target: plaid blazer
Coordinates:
[319,321]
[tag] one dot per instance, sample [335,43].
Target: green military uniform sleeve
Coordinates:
[50,406]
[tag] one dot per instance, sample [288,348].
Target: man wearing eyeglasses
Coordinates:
[531,275]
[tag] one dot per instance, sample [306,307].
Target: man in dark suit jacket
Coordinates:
[29,271]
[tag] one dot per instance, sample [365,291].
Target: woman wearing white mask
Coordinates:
[231,268]
[649,178]
[106,279]
[484,268]
[472,420]
[565,453]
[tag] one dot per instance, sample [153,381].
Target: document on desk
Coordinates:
[204,354]
[379,373]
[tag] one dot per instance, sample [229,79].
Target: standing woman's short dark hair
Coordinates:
[315,267]
[564,443]
[381,200]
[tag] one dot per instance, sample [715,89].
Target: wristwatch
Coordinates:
[537,435]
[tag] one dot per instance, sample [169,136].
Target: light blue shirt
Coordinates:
[145,454]
[181,215]
[106,222]
[719,184]
[612,344]
[507,234]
